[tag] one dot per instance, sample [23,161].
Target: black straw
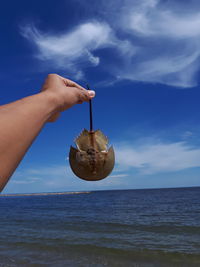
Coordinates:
[90,106]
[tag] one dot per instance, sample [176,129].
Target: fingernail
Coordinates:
[91,93]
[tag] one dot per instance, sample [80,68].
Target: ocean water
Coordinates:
[158,227]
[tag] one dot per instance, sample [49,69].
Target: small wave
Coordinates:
[99,255]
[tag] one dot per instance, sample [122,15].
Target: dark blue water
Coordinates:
[109,228]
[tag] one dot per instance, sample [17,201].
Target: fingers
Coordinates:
[70,83]
[82,93]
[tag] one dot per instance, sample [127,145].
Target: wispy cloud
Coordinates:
[74,50]
[154,18]
[152,41]
[134,161]
[49,177]
[187,134]
[157,157]
[29,180]
[118,175]
[151,157]
[168,39]
[58,178]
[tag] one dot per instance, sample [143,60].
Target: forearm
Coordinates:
[21,121]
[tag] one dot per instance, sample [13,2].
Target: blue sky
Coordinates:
[141,58]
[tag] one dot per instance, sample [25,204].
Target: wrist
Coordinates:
[49,102]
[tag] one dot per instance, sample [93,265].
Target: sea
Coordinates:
[151,227]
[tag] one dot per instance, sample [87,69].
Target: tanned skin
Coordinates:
[22,120]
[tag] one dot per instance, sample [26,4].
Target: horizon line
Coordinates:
[88,192]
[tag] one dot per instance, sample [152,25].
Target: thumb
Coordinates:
[91,93]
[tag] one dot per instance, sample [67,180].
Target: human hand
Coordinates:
[64,93]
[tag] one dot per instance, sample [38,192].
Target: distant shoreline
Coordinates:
[44,194]
[88,192]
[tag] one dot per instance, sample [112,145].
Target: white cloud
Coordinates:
[27,181]
[118,175]
[151,41]
[187,134]
[47,177]
[74,50]
[147,158]
[158,157]
[53,170]
[166,34]
[169,43]
[70,46]
[151,19]
[176,70]
[58,178]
